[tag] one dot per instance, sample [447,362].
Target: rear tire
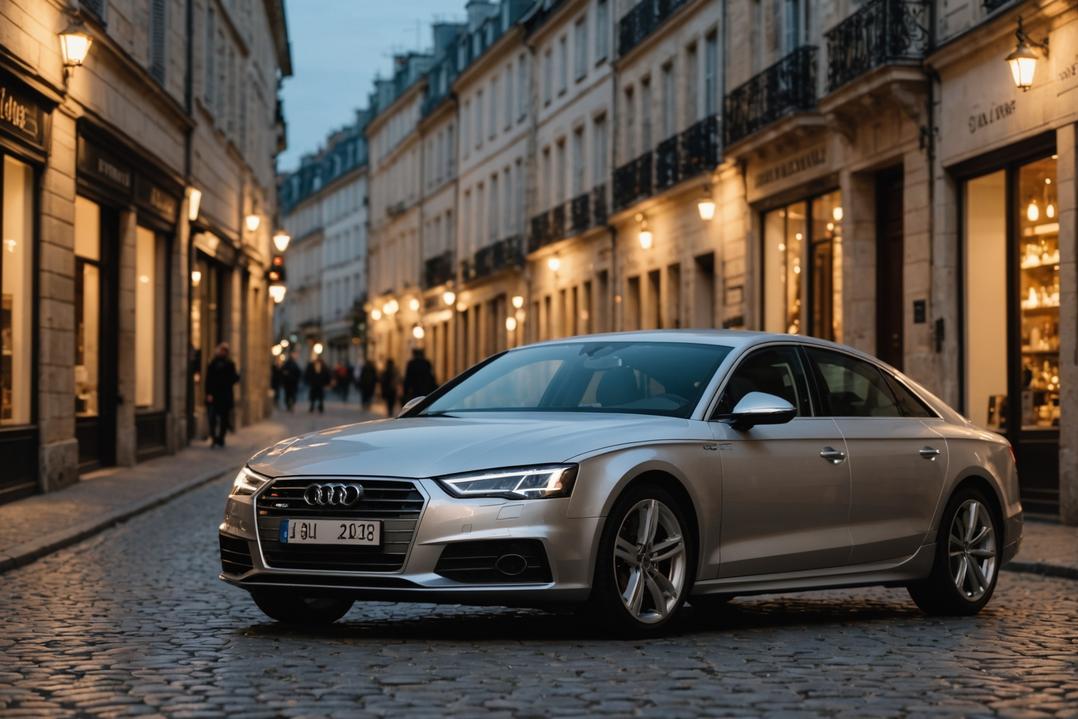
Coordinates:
[966,564]
[645,565]
[290,608]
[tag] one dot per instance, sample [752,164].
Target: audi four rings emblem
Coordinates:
[332,495]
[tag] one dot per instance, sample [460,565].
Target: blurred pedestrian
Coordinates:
[221,376]
[389,383]
[366,380]
[418,376]
[342,380]
[290,380]
[317,378]
[276,380]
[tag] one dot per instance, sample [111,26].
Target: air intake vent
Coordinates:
[495,561]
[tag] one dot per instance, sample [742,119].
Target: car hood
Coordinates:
[418,447]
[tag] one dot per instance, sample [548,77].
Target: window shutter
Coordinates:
[157,39]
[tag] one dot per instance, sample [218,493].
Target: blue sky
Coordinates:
[338,46]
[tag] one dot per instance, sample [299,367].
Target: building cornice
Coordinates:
[493,54]
[379,120]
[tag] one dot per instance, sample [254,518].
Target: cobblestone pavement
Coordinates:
[134,621]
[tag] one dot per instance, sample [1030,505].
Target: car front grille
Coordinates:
[396,503]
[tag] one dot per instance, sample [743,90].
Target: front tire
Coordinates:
[645,565]
[966,564]
[290,608]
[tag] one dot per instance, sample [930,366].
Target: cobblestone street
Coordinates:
[135,621]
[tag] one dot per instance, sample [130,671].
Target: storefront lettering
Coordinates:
[981,120]
[117,175]
[813,158]
[1069,72]
[21,115]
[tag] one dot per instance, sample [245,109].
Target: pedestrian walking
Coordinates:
[342,380]
[389,383]
[221,376]
[418,376]
[366,381]
[290,380]
[317,378]
[276,381]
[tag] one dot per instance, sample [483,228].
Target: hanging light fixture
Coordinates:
[706,205]
[1023,60]
[253,222]
[518,301]
[418,332]
[281,240]
[1033,212]
[277,292]
[194,203]
[75,45]
[449,297]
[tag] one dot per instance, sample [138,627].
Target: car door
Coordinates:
[897,460]
[784,506]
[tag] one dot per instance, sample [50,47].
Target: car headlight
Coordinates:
[542,482]
[247,482]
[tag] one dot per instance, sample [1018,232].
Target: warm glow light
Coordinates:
[518,301]
[144,279]
[390,308]
[554,264]
[75,45]
[1033,213]
[519,314]
[277,292]
[413,304]
[418,332]
[194,203]
[1023,60]
[511,323]
[376,314]
[285,343]
[706,208]
[449,297]
[1050,211]
[196,277]
[462,307]
[646,239]
[318,348]
[838,214]
[276,350]
[253,222]
[281,240]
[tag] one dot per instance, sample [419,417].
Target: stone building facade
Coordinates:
[108,316]
[867,172]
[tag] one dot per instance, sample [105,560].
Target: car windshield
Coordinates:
[661,378]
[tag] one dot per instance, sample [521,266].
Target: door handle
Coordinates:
[929,453]
[832,455]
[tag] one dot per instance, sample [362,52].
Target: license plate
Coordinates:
[330,531]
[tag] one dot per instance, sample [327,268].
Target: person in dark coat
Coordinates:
[318,378]
[418,376]
[276,382]
[221,375]
[290,380]
[388,383]
[366,381]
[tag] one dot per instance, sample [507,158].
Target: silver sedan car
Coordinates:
[629,474]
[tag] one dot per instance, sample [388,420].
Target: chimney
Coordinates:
[478,11]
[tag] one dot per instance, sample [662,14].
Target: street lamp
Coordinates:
[277,292]
[511,323]
[518,301]
[75,45]
[281,240]
[253,222]
[194,203]
[1023,60]
[706,205]
[418,332]
[318,348]
[449,297]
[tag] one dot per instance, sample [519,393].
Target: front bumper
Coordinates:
[568,543]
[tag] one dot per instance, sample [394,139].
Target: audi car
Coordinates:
[629,474]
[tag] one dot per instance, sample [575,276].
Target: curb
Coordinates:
[29,552]
[1058,571]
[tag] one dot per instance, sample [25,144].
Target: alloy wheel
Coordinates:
[650,561]
[972,550]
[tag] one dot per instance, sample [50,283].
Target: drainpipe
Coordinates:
[188,106]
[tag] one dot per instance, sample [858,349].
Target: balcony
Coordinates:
[666,164]
[438,270]
[884,32]
[598,204]
[503,254]
[785,88]
[540,232]
[580,213]
[699,148]
[644,19]
[632,181]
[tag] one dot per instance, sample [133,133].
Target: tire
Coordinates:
[291,608]
[614,572]
[951,590]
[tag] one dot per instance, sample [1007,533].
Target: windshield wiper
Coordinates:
[445,413]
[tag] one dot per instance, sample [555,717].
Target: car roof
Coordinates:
[737,339]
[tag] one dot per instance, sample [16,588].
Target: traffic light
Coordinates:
[276,273]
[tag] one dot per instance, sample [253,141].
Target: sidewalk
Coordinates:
[33,527]
[39,525]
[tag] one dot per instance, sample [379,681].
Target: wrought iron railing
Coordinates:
[540,232]
[580,212]
[699,147]
[993,5]
[786,87]
[666,163]
[632,181]
[558,225]
[495,257]
[438,270]
[644,19]
[598,204]
[880,33]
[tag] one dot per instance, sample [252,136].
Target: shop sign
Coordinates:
[108,173]
[20,115]
[795,165]
[153,197]
[791,170]
[98,165]
[982,119]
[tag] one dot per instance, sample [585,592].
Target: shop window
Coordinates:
[802,257]
[150,322]
[87,306]
[16,309]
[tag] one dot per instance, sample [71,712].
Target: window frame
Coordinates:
[889,379]
[712,413]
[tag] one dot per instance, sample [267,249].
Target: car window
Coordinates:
[663,378]
[910,404]
[851,387]
[773,370]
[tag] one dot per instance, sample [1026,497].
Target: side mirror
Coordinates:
[760,408]
[410,403]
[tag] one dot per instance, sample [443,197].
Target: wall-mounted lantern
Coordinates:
[281,240]
[1023,60]
[75,45]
